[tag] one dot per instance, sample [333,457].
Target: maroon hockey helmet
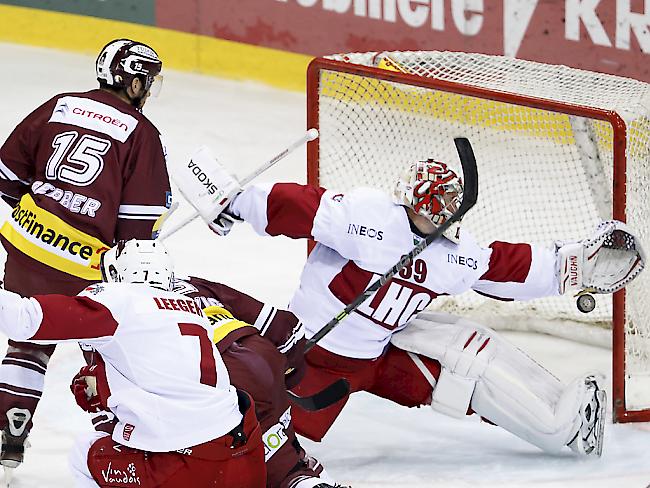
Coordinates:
[122,60]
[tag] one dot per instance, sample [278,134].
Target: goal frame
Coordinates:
[620,411]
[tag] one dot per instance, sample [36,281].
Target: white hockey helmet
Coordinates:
[431,189]
[138,261]
[122,60]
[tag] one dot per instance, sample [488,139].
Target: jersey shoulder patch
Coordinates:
[94,289]
[223,322]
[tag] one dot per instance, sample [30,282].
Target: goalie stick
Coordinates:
[340,388]
[470,195]
[163,234]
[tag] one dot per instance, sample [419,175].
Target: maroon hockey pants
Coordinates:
[256,366]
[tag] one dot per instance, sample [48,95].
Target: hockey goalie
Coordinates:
[454,365]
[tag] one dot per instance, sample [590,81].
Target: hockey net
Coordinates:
[558,150]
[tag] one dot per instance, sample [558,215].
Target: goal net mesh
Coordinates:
[543,175]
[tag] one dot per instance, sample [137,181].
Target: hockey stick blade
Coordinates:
[470,177]
[324,398]
[470,196]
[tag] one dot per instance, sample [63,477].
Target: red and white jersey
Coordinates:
[168,385]
[360,236]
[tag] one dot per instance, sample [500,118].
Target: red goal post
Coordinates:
[558,150]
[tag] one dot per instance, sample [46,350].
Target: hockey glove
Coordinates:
[206,184]
[605,263]
[84,388]
[223,223]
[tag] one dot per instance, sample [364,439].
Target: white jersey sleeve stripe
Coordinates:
[140,212]
[263,317]
[297,333]
[7,174]
[268,321]
[137,217]
[56,325]
[142,209]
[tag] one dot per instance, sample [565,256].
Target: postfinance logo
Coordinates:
[222,321]
[275,437]
[52,241]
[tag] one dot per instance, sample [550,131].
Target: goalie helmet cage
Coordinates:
[558,150]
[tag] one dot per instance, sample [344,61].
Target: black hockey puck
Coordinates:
[586,303]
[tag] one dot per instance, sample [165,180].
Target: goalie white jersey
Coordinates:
[166,381]
[362,234]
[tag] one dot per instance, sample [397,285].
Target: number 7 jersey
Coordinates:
[165,380]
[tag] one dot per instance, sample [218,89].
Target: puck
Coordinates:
[586,303]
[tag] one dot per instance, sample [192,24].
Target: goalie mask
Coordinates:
[431,189]
[136,261]
[122,60]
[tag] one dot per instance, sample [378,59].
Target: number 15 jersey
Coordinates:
[82,171]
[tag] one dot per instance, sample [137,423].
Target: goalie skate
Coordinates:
[589,438]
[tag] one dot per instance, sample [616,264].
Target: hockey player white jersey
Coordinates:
[166,381]
[360,235]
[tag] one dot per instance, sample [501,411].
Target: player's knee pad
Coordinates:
[496,379]
[464,351]
[520,396]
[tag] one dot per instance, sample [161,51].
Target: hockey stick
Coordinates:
[310,135]
[341,387]
[324,398]
[470,195]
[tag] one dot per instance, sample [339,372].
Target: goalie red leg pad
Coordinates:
[393,376]
[399,379]
[322,369]
[214,463]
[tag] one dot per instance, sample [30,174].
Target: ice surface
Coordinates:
[374,443]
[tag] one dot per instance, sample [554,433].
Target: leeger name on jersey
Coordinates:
[167,383]
[244,315]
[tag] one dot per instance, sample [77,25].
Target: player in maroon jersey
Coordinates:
[259,344]
[82,171]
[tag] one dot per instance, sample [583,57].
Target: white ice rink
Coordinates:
[374,443]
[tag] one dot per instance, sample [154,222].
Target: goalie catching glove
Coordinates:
[210,188]
[605,263]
